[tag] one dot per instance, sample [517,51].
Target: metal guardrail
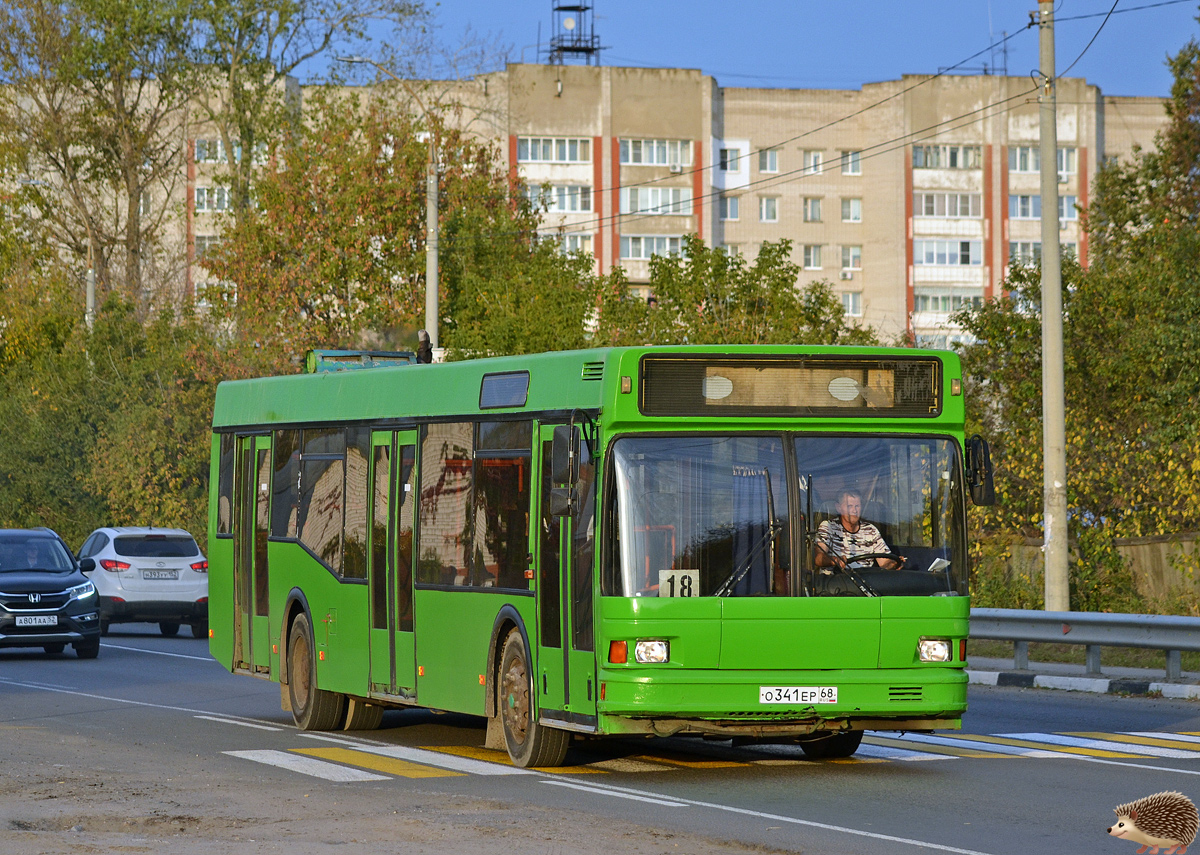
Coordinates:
[1169,633]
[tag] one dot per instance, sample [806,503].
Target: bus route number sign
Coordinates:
[797,694]
[678,583]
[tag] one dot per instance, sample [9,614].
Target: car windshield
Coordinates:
[724,516]
[156,546]
[33,552]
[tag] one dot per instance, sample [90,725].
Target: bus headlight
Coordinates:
[933,650]
[652,652]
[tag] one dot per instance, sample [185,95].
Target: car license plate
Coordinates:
[37,620]
[160,574]
[797,694]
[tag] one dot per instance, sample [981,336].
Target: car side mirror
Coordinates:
[87,565]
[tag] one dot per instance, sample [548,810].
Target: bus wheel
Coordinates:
[362,716]
[829,746]
[312,708]
[529,743]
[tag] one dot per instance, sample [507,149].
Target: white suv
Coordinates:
[148,574]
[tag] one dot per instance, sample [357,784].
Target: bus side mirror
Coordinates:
[979,471]
[562,456]
[560,501]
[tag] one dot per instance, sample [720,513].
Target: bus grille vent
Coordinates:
[904,693]
[765,716]
[593,370]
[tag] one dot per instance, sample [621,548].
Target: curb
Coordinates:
[1099,685]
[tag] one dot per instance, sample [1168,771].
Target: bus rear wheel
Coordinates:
[832,745]
[529,743]
[312,708]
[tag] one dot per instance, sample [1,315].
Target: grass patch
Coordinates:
[1076,654]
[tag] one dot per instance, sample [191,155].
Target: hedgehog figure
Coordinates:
[1162,820]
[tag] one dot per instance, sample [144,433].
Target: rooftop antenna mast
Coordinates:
[574,34]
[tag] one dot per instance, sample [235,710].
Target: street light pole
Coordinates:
[431,208]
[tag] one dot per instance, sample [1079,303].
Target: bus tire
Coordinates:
[361,715]
[529,743]
[828,746]
[312,708]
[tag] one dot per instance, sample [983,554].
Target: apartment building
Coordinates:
[912,197]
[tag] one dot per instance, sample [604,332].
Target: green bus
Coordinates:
[623,541]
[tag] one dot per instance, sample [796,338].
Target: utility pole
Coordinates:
[1054,421]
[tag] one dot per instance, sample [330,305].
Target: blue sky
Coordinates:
[841,44]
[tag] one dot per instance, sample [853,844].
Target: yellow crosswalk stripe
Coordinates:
[689,763]
[1134,739]
[493,756]
[929,748]
[390,765]
[1045,746]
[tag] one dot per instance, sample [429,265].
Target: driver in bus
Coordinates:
[848,536]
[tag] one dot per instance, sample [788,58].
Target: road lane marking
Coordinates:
[491,755]
[1044,741]
[1180,737]
[236,721]
[390,765]
[423,756]
[888,752]
[307,766]
[161,653]
[1160,740]
[597,791]
[1104,745]
[944,749]
[990,743]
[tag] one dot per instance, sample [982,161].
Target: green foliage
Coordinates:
[709,297]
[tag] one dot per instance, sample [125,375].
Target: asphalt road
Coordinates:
[153,746]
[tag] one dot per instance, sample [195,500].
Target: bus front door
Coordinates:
[252,506]
[566,657]
[390,532]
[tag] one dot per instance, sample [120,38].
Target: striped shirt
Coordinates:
[838,541]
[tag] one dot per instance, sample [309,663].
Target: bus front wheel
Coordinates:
[529,743]
[312,708]
[832,745]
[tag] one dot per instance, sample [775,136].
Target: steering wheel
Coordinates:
[900,560]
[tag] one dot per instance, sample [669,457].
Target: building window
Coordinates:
[204,243]
[656,200]
[812,162]
[210,151]
[959,252]
[768,160]
[553,150]
[812,256]
[1066,162]
[852,303]
[947,157]
[656,152]
[560,199]
[572,242]
[1024,253]
[952,205]
[1028,158]
[729,207]
[1067,209]
[851,163]
[852,258]
[730,249]
[812,209]
[945,301]
[645,246]
[1024,207]
[729,158]
[852,210]
[212,199]
[768,209]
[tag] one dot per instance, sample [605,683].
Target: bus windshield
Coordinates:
[724,516]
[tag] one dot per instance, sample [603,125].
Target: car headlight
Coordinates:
[933,650]
[82,592]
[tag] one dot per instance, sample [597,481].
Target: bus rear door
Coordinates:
[251,514]
[390,531]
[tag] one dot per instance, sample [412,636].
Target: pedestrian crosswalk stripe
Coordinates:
[1161,740]
[939,747]
[1105,745]
[308,766]
[426,756]
[390,765]
[1045,742]
[1193,738]
[491,755]
[886,752]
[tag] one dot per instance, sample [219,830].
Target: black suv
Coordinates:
[45,601]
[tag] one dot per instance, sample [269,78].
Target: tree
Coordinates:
[334,252]
[706,296]
[249,49]
[96,95]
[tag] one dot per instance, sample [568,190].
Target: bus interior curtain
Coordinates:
[752,531]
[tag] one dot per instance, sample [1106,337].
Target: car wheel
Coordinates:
[529,742]
[87,649]
[170,630]
[54,649]
[312,708]
[103,626]
[200,630]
